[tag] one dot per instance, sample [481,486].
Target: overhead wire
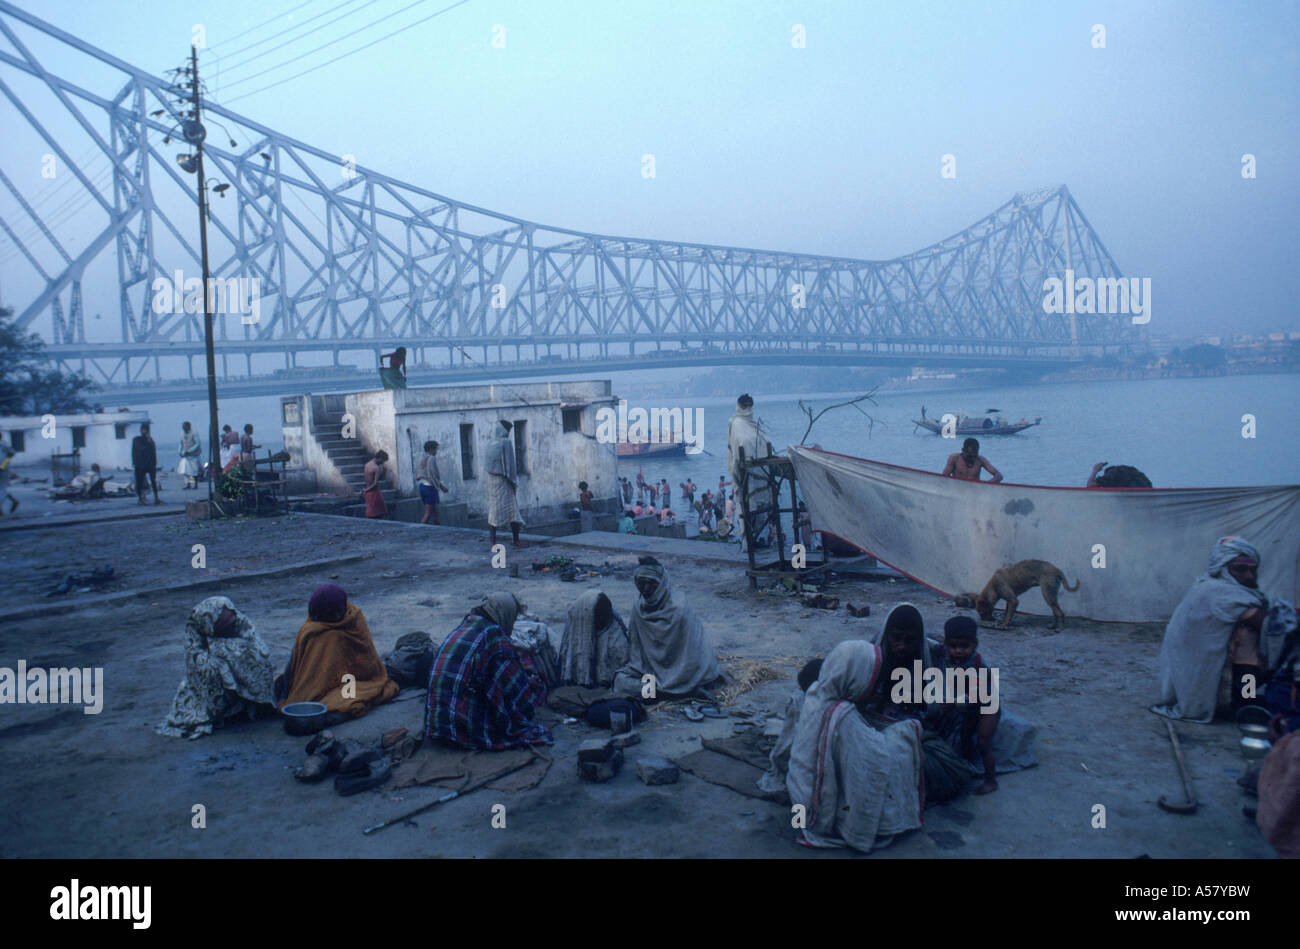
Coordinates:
[289,29]
[350,52]
[290,42]
[253,29]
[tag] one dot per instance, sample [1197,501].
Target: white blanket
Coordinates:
[952,534]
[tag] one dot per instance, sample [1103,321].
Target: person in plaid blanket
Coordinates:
[480,694]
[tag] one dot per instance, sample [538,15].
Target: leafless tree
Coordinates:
[813,417]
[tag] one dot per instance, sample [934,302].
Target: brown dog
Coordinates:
[1007,583]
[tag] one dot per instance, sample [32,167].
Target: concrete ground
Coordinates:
[105,785]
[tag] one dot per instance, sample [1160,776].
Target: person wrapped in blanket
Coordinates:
[1225,620]
[334,659]
[668,645]
[595,642]
[228,672]
[480,694]
[858,784]
[950,741]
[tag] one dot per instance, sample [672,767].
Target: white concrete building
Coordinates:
[102,438]
[554,438]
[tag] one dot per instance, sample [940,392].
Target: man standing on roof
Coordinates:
[968,463]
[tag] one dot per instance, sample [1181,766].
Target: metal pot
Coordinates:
[304,718]
[1254,741]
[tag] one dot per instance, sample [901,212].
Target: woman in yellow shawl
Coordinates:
[334,659]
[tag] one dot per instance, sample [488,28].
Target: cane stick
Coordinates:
[1190,806]
[447,797]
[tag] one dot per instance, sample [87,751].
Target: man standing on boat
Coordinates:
[747,433]
[968,463]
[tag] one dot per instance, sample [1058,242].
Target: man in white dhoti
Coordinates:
[503,481]
[746,432]
[1218,620]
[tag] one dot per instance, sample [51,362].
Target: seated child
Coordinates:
[999,741]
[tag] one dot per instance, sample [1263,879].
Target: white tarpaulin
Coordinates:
[952,534]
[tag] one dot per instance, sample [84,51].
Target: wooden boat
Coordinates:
[651,449]
[979,425]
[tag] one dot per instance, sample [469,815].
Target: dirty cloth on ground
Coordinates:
[1161,531]
[736,763]
[224,676]
[666,639]
[857,783]
[591,657]
[778,762]
[323,653]
[1196,639]
[456,768]
[1278,816]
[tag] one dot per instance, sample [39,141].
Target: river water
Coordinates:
[1180,432]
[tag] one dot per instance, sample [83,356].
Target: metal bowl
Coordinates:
[1254,741]
[304,718]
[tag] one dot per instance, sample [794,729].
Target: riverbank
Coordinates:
[105,785]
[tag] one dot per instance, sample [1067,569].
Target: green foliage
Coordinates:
[27,385]
[229,486]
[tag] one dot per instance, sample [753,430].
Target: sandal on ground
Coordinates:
[712,711]
[374,774]
[313,769]
[693,713]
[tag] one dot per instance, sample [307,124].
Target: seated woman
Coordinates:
[858,785]
[228,672]
[666,641]
[595,642]
[335,643]
[480,695]
[902,643]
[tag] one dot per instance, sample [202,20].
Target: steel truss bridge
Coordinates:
[351,261]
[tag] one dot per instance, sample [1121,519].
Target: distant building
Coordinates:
[553,434]
[102,438]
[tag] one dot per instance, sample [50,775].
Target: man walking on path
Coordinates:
[430,481]
[144,459]
[503,482]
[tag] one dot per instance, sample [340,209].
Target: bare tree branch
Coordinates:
[812,419]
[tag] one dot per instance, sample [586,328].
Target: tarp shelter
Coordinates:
[951,534]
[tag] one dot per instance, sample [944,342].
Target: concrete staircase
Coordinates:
[347,454]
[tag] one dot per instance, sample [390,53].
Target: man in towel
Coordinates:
[858,785]
[746,434]
[334,659]
[1219,620]
[595,642]
[502,483]
[479,694]
[666,641]
[375,472]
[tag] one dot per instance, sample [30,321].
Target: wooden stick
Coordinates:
[401,819]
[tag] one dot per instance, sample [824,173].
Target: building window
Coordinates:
[521,446]
[291,413]
[119,431]
[18,441]
[572,419]
[78,437]
[467,452]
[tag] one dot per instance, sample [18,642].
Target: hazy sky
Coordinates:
[834,148]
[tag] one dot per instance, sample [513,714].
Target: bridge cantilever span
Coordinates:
[348,260]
